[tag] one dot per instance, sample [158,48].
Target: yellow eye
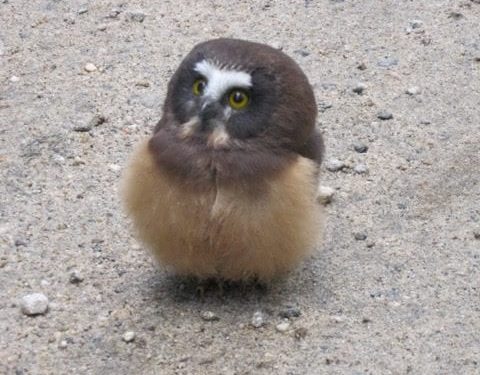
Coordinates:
[238,99]
[199,86]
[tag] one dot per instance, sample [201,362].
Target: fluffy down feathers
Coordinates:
[224,232]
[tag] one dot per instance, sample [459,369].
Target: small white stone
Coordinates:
[325,194]
[63,344]
[89,67]
[360,169]
[334,165]
[416,24]
[277,45]
[34,304]
[76,277]
[414,90]
[282,327]
[359,88]
[14,79]
[58,159]
[128,336]
[209,316]
[114,167]
[257,319]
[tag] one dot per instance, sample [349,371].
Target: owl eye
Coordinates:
[238,99]
[199,86]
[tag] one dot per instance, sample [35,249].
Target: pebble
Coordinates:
[385,115]
[14,79]
[282,327]
[360,236]
[414,25]
[77,161]
[97,120]
[128,336]
[142,83]
[387,62]
[69,19]
[277,45]
[359,88]
[414,90]
[334,165]
[362,66]
[325,194]
[360,169]
[63,344]
[58,159]
[360,147]
[94,122]
[19,243]
[115,167]
[136,16]
[476,235]
[82,128]
[114,13]
[75,277]
[302,52]
[301,333]
[34,304]
[323,106]
[102,27]
[209,316]
[82,10]
[455,15]
[258,319]
[89,67]
[290,312]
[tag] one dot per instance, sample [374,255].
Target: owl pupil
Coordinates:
[238,97]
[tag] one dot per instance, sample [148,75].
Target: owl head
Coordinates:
[229,90]
[235,109]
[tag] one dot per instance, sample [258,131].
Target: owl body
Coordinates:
[226,185]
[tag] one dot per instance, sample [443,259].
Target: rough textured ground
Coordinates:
[404,300]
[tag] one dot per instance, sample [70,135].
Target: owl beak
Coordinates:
[211,113]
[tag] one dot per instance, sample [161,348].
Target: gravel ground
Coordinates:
[394,288]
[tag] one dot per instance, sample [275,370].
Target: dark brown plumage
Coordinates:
[226,185]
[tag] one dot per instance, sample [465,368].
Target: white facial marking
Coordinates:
[188,128]
[219,137]
[227,112]
[221,80]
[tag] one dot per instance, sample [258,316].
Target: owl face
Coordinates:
[228,91]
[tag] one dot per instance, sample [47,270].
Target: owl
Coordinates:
[225,186]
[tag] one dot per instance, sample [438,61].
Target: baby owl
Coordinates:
[225,187]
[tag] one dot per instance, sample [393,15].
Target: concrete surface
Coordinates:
[394,288]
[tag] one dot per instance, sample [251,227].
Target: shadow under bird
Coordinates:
[225,187]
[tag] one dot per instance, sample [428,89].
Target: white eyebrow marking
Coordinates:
[220,80]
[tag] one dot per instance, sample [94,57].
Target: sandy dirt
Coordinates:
[393,289]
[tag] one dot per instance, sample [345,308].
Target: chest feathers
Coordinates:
[225,231]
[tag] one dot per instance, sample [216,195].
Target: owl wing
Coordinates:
[314,148]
